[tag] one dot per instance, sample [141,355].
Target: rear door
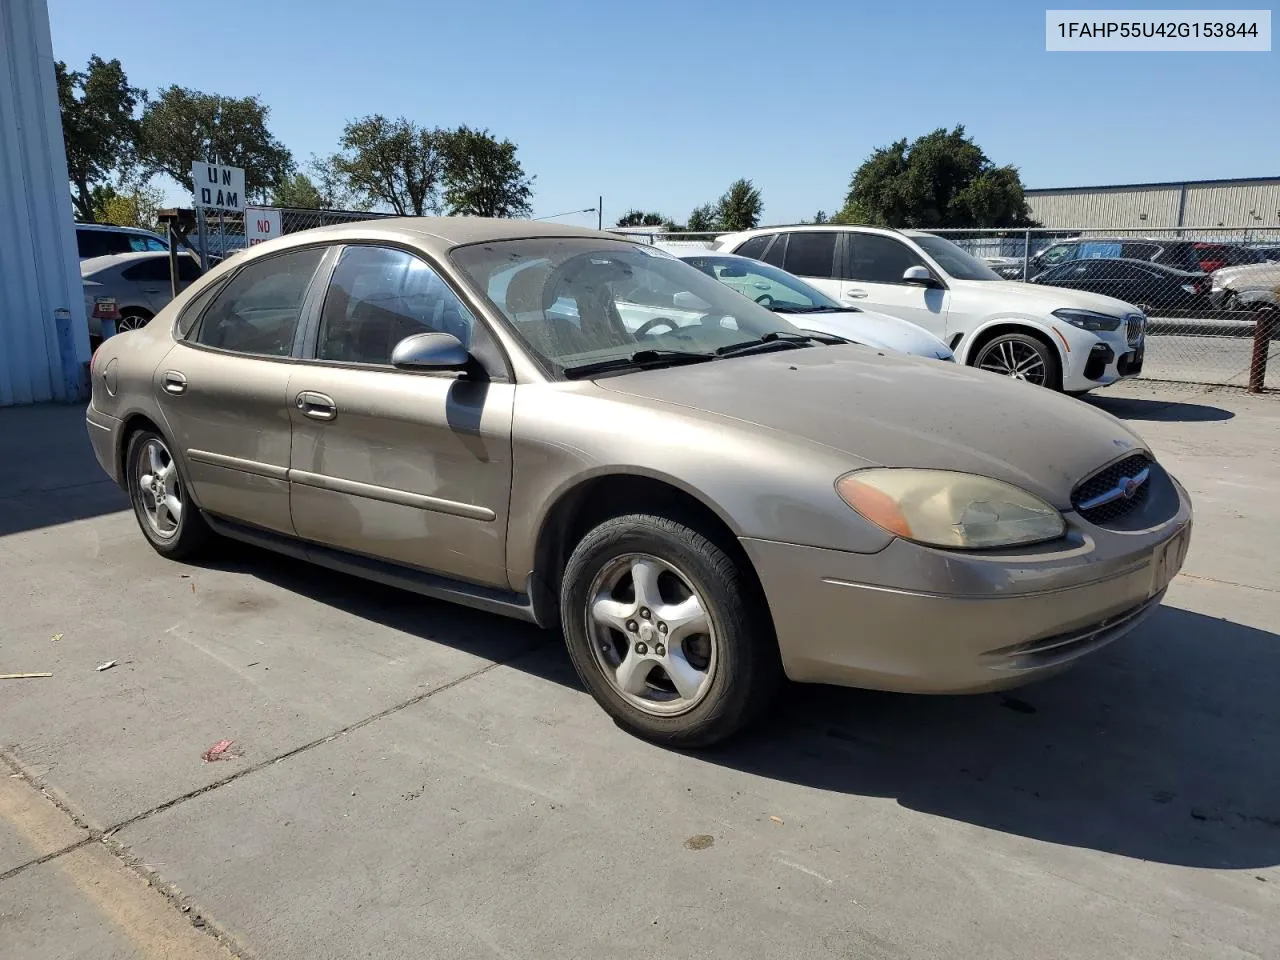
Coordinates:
[408,466]
[222,388]
[872,269]
[811,254]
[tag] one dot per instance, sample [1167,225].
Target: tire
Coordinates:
[146,459]
[728,672]
[132,320]
[1007,353]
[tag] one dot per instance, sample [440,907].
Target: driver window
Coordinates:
[257,312]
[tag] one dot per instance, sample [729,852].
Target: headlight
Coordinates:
[947,509]
[1088,320]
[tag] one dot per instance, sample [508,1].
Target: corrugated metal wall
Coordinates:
[39,266]
[1224,203]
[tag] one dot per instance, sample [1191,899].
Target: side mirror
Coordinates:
[919,276]
[430,351]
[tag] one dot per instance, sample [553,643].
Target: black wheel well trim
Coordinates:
[138,311]
[591,500]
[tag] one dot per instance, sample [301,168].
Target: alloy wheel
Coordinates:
[131,321]
[1015,359]
[650,634]
[160,490]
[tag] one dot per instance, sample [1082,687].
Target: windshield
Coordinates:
[954,261]
[575,301]
[766,285]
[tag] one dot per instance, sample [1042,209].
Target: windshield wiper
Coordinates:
[774,339]
[640,360]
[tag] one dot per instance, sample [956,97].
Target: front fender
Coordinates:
[1057,337]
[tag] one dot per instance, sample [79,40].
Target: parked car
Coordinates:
[101,239]
[1052,337]
[1147,285]
[1195,256]
[138,283]
[701,509]
[812,310]
[1255,287]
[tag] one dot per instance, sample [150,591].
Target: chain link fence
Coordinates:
[1211,295]
[225,233]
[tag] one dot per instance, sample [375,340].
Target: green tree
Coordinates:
[639,218]
[740,207]
[703,219]
[135,206]
[335,192]
[393,163]
[481,175]
[942,179]
[297,190]
[183,125]
[99,126]
[821,217]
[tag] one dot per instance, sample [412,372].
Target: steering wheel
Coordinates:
[648,325]
[765,300]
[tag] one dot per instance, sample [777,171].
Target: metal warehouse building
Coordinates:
[1252,202]
[44,342]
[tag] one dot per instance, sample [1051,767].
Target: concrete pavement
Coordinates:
[415,779]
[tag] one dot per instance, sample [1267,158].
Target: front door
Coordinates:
[872,279]
[223,391]
[410,467]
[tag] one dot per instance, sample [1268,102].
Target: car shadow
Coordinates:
[48,473]
[1160,747]
[1165,411]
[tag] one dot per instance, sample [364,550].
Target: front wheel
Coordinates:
[666,632]
[1019,356]
[172,524]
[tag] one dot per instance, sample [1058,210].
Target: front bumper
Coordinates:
[1105,362]
[920,620]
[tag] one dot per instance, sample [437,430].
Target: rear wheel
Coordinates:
[1019,356]
[666,632]
[172,524]
[132,320]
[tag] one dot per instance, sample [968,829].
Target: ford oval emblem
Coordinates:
[1129,486]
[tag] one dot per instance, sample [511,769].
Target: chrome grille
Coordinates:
[1135,323]
[1115,490]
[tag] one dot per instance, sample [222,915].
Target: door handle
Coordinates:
[855,294]
[317,406]
[174,382]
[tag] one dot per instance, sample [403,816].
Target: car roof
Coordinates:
[438,234]
[98,264]
[1134,262]
[112,228]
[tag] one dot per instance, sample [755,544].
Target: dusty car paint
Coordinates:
[462,479]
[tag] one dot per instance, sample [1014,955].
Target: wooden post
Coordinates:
[1264,329]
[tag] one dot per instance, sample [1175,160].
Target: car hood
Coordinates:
[892,410]
[875,330]
[1015,296]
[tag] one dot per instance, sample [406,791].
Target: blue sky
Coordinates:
[660,104]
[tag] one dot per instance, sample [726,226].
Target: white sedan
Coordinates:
[812,310]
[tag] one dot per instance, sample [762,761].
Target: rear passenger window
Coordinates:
[754,248]
[258,310]
[154,270]
[811,254]
[379,296]
[777,250]
[193,310]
